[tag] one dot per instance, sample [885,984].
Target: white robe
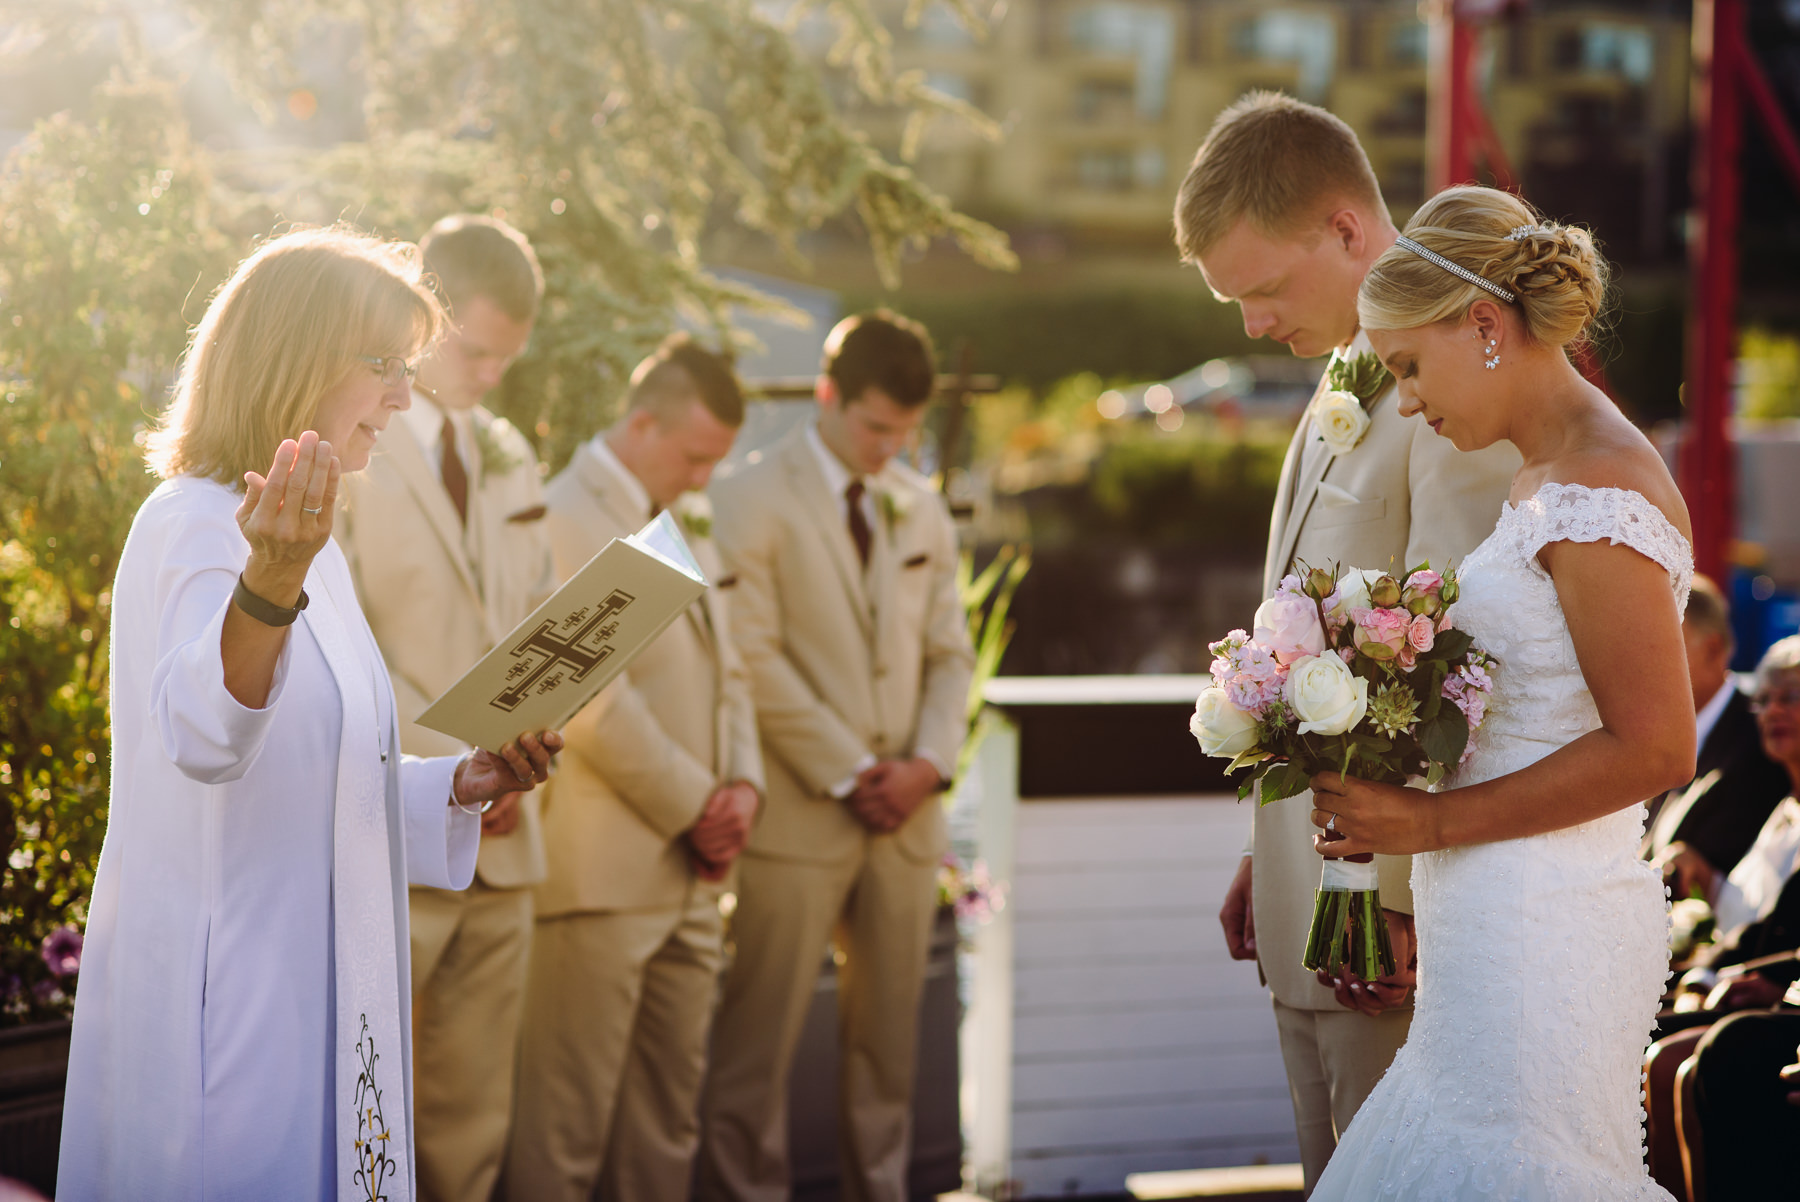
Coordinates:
[202,1064]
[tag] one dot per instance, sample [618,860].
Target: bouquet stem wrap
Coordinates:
[1348,928]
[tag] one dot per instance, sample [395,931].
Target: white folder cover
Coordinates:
[572,645]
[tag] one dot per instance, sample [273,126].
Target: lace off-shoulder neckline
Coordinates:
[1611,509]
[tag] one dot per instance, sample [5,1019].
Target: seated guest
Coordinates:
[1698,834]
[1740,1116]
[241,1029]
[655,799]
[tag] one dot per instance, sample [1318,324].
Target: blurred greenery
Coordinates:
[1769,371]
[106,232]
[614,133]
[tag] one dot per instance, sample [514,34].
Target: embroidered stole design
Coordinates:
[372,1144]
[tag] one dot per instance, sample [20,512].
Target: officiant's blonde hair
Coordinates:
[1281,164]
[292,322]
[1556,272]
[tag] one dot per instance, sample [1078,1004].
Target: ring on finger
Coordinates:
[1331,824]
[314,512]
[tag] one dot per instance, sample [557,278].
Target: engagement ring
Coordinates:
[1331,824]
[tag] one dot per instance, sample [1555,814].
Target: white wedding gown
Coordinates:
[1541,960]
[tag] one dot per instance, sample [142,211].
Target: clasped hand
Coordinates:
[1371,817]
[888,792]
[723,829]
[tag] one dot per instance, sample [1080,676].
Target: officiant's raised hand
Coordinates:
[1355,816]
[520,767]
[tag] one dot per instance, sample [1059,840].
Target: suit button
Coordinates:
[878,743]
[880,671]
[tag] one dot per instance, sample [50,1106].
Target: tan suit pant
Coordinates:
[614,1053]
[877,908]
[1334,1058]
[469,952]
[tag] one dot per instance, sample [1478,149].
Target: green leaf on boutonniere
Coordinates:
[894,507]
[1361,375]
[496,460]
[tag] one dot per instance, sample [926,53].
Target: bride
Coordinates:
[1542,935]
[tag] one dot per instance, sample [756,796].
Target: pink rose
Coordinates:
[1380,633]
[1421,633]
[1426,581]
[1288,625]
[1408,659]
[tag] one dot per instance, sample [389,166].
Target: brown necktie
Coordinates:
[860,534]
[456,478]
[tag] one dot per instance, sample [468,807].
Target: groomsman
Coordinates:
[845,607]
[660,781]
[1281,213]
[445,540]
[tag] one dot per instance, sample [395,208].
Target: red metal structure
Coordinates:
[1727,80]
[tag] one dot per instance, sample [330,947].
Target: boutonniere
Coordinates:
[1341,412]
[694,511]
[496,460]
[894,506]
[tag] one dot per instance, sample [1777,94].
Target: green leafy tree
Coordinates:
[105,234]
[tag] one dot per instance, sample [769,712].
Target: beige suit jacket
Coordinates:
[845,663]
[644,756]
[436,608]
[1403,495]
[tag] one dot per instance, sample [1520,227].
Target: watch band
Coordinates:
[266,612]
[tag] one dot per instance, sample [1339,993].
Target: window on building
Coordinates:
[1108,169]
[1104,99]
[1406,44]
[1308,40]
[1144,33]
[1607,49]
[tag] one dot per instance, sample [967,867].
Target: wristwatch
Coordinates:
[266,612]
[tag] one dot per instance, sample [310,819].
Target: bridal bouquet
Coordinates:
[1348,671]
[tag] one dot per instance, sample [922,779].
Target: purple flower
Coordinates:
[62,951]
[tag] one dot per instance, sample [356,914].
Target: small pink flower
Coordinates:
[1348,654]
[1408,659]
[1426,581]
[1380,633]
[1292,584]
[1421,633]
[1443,622]
[62,951]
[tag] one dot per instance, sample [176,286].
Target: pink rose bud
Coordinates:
[1380,633]
[1385,593]
[1421,633]
[1319,584]
[1426,581]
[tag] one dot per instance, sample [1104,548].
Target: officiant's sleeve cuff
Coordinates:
[441,839]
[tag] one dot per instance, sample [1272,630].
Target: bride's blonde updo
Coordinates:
[1555,271]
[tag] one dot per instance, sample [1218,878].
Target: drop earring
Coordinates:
[1493,359]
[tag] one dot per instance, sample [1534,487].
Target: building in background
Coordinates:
[1103,102]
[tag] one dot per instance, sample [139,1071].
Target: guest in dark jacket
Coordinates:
[1698,834]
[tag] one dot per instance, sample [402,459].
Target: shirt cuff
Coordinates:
[847,786]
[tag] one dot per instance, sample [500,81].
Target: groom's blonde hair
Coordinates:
[1281,164]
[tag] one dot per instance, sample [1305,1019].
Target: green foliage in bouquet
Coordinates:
[106,231]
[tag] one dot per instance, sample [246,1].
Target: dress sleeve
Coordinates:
[205,731]
[442,840]
[1578,514]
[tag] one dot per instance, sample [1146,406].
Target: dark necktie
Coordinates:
[860,534]
[456,478]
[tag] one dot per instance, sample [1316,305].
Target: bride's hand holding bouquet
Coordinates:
[1361,677]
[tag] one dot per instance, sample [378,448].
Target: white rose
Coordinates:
[1341,419]
[1352,593]
[1221,728]
[1325,695]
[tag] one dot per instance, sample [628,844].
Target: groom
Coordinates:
[1282,214]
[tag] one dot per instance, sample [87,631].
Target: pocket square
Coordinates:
[1331,494]
[726,582]
[918,561]
[534,514]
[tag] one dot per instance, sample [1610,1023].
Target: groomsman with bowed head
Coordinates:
[845,606]
[1281,213]
[655,799]
[446,544]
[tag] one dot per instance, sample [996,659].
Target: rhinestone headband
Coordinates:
[1522,232]
[1455,269]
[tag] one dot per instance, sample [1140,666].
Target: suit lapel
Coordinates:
[826,511]
[408,458]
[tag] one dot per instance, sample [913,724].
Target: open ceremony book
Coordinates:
[556,660]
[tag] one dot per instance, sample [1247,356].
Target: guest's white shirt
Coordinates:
[1753,887]
[202,1061]
[425,418]
[1710,713]
[838,478]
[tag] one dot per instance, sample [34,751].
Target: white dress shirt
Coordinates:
[1753,887]
[1712,711]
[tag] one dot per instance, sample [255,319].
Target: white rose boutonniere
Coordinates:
[1341,412]
[1341,421]
[894,506]
[695,513]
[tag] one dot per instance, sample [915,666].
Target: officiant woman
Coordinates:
[239,1028]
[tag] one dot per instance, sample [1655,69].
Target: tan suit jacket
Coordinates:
[433,612]
[642,758]
[1401,496]
[845,665]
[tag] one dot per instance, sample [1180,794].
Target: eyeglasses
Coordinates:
[1770,698]
[392,369]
